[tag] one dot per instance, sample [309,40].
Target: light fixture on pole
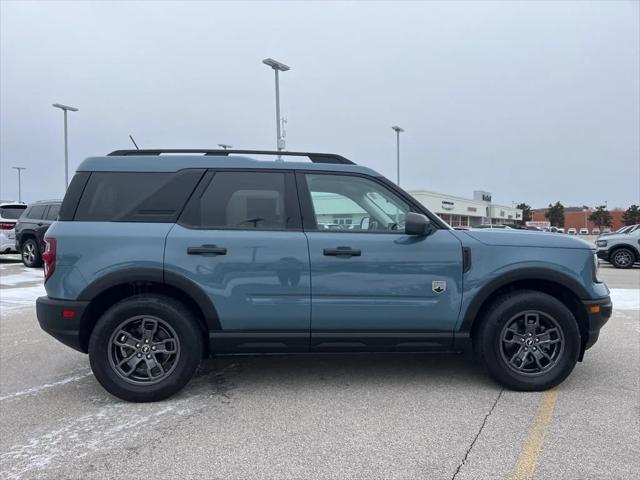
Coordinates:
[225,146]
[19,169]
[277,67]
[397,129]
[65,108]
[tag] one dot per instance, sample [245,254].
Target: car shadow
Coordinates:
[10,258]
[223,374]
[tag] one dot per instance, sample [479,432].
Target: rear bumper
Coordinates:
[598,313]
[55,319]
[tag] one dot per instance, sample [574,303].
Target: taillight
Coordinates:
[7,226]
[49,257]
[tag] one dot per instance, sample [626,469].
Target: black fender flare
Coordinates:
[529,274]
[159,276]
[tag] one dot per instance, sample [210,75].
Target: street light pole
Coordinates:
[397,129]
[225,146]
[277,68]
[65,108]
[19,169]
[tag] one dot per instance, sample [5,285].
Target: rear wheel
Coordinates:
[145,348]
[31,254]
[528,340]
[622,258]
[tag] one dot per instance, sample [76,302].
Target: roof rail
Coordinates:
[314,157]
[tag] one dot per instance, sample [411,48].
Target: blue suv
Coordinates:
[160,260]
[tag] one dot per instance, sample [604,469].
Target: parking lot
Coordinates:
[332,416]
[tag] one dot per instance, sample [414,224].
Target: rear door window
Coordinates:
[245,200]
[136,196]
[37,212]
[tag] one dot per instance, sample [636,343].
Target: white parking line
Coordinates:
[625,298]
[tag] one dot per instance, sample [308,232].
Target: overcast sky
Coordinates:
[534,102]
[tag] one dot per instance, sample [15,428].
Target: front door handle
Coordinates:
[342,251]
[204,250]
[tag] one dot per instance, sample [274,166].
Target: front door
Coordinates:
[373,287]
[240,240]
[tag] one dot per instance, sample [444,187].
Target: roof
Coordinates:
[171,163]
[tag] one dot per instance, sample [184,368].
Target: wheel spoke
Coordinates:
[512,336]
[539,356]
[161,346]
[154,365]
[520,356]
[132,363]
[531,322]
[149,328]
[547,339]
[126,340]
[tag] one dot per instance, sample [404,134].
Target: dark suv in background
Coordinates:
[30,230]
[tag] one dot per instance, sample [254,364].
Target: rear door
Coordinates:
[240,239]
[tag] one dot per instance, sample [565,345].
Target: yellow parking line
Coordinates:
[528,459]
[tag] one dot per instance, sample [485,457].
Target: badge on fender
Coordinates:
[439,286]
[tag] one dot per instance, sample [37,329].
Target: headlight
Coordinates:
[601,243]
[596,268]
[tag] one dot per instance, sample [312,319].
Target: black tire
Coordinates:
[622,258]
[172,319]
[30,252]
[514,364]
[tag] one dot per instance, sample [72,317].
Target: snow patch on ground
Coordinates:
[28,276]
[13,298]
[625,298]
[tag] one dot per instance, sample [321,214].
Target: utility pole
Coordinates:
[397,129]
[65,108]
[277,67]
[19,169]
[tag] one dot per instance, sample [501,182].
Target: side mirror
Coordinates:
[416,224]
[364,223]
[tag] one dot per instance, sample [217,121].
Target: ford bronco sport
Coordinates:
[160,260]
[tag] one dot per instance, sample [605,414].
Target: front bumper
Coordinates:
[603,254]
[598,313]
[55,318]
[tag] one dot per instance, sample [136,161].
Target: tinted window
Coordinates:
[345,202]
[11,213]
[136,196]
[244,200]
[36,212]
[72,195]
[53,212]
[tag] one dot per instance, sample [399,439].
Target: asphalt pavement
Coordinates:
[318,416]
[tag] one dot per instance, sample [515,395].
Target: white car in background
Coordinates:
[560,230]
[9,214]
[584,231]
[595,231]
[572,231]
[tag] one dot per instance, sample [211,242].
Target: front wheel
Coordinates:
[528,341]
[623,258]
[31,254]
[145,348]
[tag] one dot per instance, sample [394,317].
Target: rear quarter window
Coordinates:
[136,196]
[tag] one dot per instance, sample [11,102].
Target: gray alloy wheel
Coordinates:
[531,343]
[622,258]
[144,350]
[30,254]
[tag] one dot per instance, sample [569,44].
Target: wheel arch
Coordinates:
[106,291]
[560,286]
[618,246]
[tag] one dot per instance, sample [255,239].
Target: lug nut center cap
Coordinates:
[145,349]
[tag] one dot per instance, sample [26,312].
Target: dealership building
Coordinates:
[466,212]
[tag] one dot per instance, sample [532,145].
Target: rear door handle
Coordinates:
[342,251]
[205,250]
